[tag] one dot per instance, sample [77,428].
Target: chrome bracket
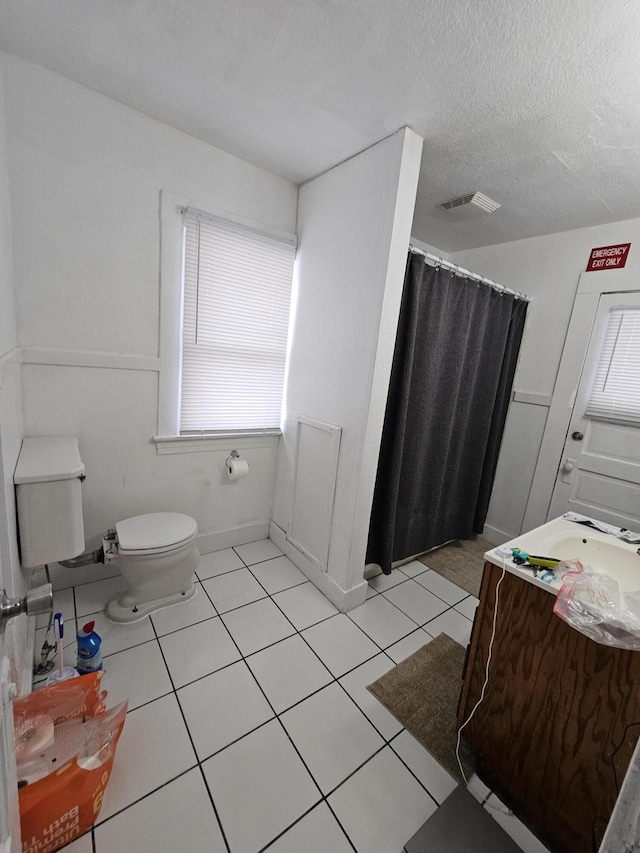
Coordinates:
[38,600]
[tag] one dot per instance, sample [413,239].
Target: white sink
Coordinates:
[567,540]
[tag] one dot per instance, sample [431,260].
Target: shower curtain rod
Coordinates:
[440,262]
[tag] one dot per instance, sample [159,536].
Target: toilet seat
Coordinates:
[154,533]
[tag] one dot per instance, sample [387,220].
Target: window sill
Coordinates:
[169,444]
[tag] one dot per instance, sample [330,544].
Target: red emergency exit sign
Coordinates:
[608,257]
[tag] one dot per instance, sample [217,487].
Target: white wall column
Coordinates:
[354,226]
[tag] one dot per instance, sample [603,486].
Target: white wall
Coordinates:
[11,578]
[354,227]
[427,247]
[86,176]
[547,269]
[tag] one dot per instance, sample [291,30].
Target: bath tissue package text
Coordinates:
[65,747]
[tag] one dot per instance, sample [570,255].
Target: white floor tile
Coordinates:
[260,787]
[138,674]
[177,817]
[438,782]
[382,621]
[94,597]
[457,626]
[232,590]
[381,806]
[371,592]
[81,845]
[183,614]
[198,650]
[441,587]
[277,574]
[117,637]
[256,552]
[257,626]
[62,603]
[218,563]
[399,651]
[340,644]
[415,567]
[154,747]
[317,832]
[288,672]
[305,605]
[417,602]
[381,583]
[222,708]
[468,607]
[355,683]
[514,828]
[332,735]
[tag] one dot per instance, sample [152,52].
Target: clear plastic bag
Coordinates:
[65,759]
[592,603]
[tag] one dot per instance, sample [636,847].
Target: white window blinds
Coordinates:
[237,294]
[615,394]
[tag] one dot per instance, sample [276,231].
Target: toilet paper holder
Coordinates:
[233,455]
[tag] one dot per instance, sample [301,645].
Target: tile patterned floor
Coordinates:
[249,725]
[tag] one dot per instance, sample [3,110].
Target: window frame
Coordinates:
[595,410]
[168,438]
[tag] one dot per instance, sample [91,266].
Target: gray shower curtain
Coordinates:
[453,367]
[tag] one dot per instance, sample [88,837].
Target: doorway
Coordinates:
[599,472]
[593,287]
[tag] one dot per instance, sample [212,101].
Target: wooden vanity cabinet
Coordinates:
[560,719]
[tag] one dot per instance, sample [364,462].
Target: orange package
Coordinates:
[65,747]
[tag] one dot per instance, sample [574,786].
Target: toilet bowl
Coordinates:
[156,555]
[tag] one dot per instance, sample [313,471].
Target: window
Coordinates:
[615,394]
[236,302]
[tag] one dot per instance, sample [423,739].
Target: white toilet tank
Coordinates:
[48,480]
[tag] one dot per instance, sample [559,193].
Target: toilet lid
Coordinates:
[154,531]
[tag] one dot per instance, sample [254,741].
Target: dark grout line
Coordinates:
[276,716]
[141,798]
[400,758]
[193,746]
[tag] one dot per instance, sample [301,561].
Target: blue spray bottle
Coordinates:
[89,651]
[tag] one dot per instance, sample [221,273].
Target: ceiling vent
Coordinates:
[471,205]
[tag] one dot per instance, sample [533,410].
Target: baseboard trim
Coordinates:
[277,536]
[208,542]
[343,599]
[496,536]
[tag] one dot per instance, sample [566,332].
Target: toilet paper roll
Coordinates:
[237,469]
[32,736]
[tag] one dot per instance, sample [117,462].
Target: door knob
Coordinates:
[567,470]
[577,435]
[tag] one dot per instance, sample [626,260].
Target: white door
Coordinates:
[9,816]
[9,812]
[599,472]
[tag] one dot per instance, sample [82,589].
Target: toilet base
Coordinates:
[117,612]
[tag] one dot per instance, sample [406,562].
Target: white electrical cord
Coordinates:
[486,672]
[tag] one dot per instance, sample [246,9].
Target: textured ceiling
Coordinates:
[536,103]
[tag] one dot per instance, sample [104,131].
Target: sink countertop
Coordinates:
[567,540]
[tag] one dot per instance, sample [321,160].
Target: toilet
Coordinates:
[155,553]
